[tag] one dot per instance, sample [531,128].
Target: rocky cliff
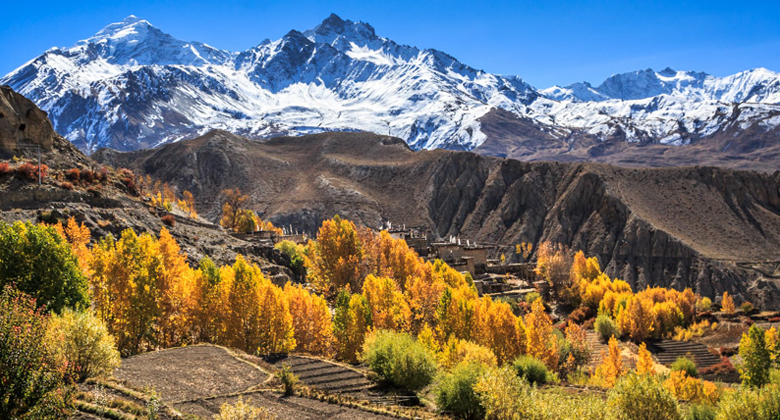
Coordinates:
[701,227]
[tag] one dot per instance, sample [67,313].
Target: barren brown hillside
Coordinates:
[708,228]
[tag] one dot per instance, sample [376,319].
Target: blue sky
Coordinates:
[545,42]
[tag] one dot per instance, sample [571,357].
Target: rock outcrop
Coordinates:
[706,228]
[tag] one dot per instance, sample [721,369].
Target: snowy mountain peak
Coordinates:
[340,33]
[131,28]
[132,86]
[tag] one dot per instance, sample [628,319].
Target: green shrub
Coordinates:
[747,307]
[504,395]
[400,359]
[81,341]
[606,327]
[455,391]
[531,297]
[532,370]
[41,264]
[642,397]
[295,252]
[686,365]
[31,385]
[288,378]
[750,404]
[701,412]
[756,359]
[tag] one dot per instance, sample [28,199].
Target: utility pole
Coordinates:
[39,165]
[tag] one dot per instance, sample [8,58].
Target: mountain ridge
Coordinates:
[696,227]
[132,86]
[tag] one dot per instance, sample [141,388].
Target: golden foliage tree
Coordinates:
[455,313]
[334,260]
[351,322]
[644,364]
[210,304]
[389,309]
[423,292]
[312,325]
[233,208]
[553,264]
[636,320]
[78,236]
[497,328]
[727,304]
[611,367]
[541,342]
[259,320]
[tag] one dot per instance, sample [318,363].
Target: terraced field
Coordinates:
[197,380]
[667,351]
[327,376]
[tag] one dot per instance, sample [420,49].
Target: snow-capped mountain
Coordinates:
[133,86]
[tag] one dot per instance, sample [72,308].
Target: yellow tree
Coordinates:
[497,328]
[78,236]
[553,264]
[727,304]
[636,320]
[235,203]
[351,321]
[455,313]
[276,334]
[389,310]
[334,259]
[386,256]
[175,289]
[243,320]
[423,293]
[209,303]
[311,318]
[644,363]
[611,367]
[541,342]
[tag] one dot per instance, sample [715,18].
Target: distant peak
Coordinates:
[129,25]
[131,19]
[333,21]
[334,26]
[668,72]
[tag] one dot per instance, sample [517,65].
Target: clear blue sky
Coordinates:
[545,42]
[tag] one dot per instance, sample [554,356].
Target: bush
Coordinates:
[747,307]
[751,404]
[73,174]
[642,397]
[704,304]
[686,365]
[41,263]
[455,392]
[169,220]
[756,359]
[579,315]
[242,411]
[505,396]
[31,385]
[296,254]
[66,186]
[81,341]
[701,412]
[606,328]
[5,169]
[87,176]
[531,297]
[399,359]
[532,370]
[289,379]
